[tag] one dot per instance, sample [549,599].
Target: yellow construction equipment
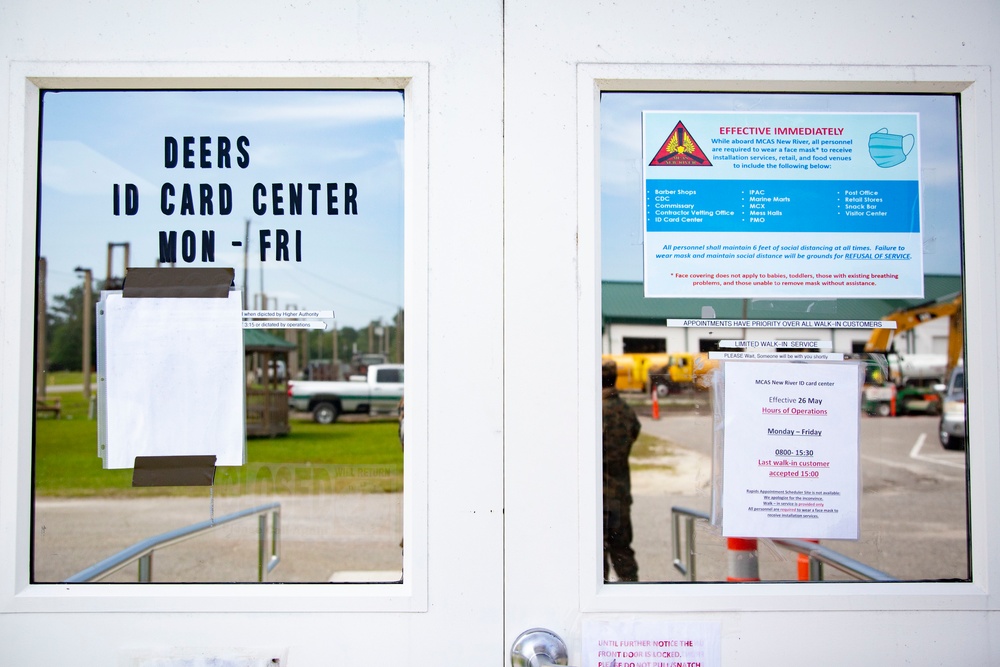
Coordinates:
[648,371]
[949,306]
[634,367]
[905,384]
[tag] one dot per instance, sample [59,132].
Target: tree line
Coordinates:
[64,336]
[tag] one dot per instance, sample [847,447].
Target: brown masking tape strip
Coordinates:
[190,283]
[195,470]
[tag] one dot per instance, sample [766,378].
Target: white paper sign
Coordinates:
[645,643]
[172,380]
[790,450]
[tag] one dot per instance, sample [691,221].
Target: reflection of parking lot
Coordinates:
[951,428]
[913,505]
[321,534]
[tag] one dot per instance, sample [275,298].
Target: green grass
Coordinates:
[362,457]
[56,378]
[646,449]
[649,446]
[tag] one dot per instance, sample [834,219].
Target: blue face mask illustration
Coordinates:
[888,150]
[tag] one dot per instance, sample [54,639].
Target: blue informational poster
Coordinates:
[801,205]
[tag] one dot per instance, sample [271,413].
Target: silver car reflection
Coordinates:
[951,428]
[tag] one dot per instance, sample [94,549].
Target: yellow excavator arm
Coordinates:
[948,306]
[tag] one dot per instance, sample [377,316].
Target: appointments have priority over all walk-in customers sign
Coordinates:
[802,205]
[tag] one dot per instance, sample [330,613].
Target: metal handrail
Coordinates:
[684,559]
[821,554]
[143,551]
[684,562]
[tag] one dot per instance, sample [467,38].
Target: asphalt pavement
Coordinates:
[912,514]
[913,521]
[322,537]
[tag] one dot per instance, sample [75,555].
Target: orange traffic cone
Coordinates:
[656,404]
[741,558]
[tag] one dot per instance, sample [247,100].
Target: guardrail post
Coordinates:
[815,570]
[261,547]
[684,553]
[275,539]
[146,568]
[809,568]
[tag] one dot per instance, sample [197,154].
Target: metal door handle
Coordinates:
[538,647]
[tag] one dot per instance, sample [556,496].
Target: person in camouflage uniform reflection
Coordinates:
[621,428]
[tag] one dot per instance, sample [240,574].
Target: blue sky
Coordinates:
[351,264]
[354,264]
[621,164]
